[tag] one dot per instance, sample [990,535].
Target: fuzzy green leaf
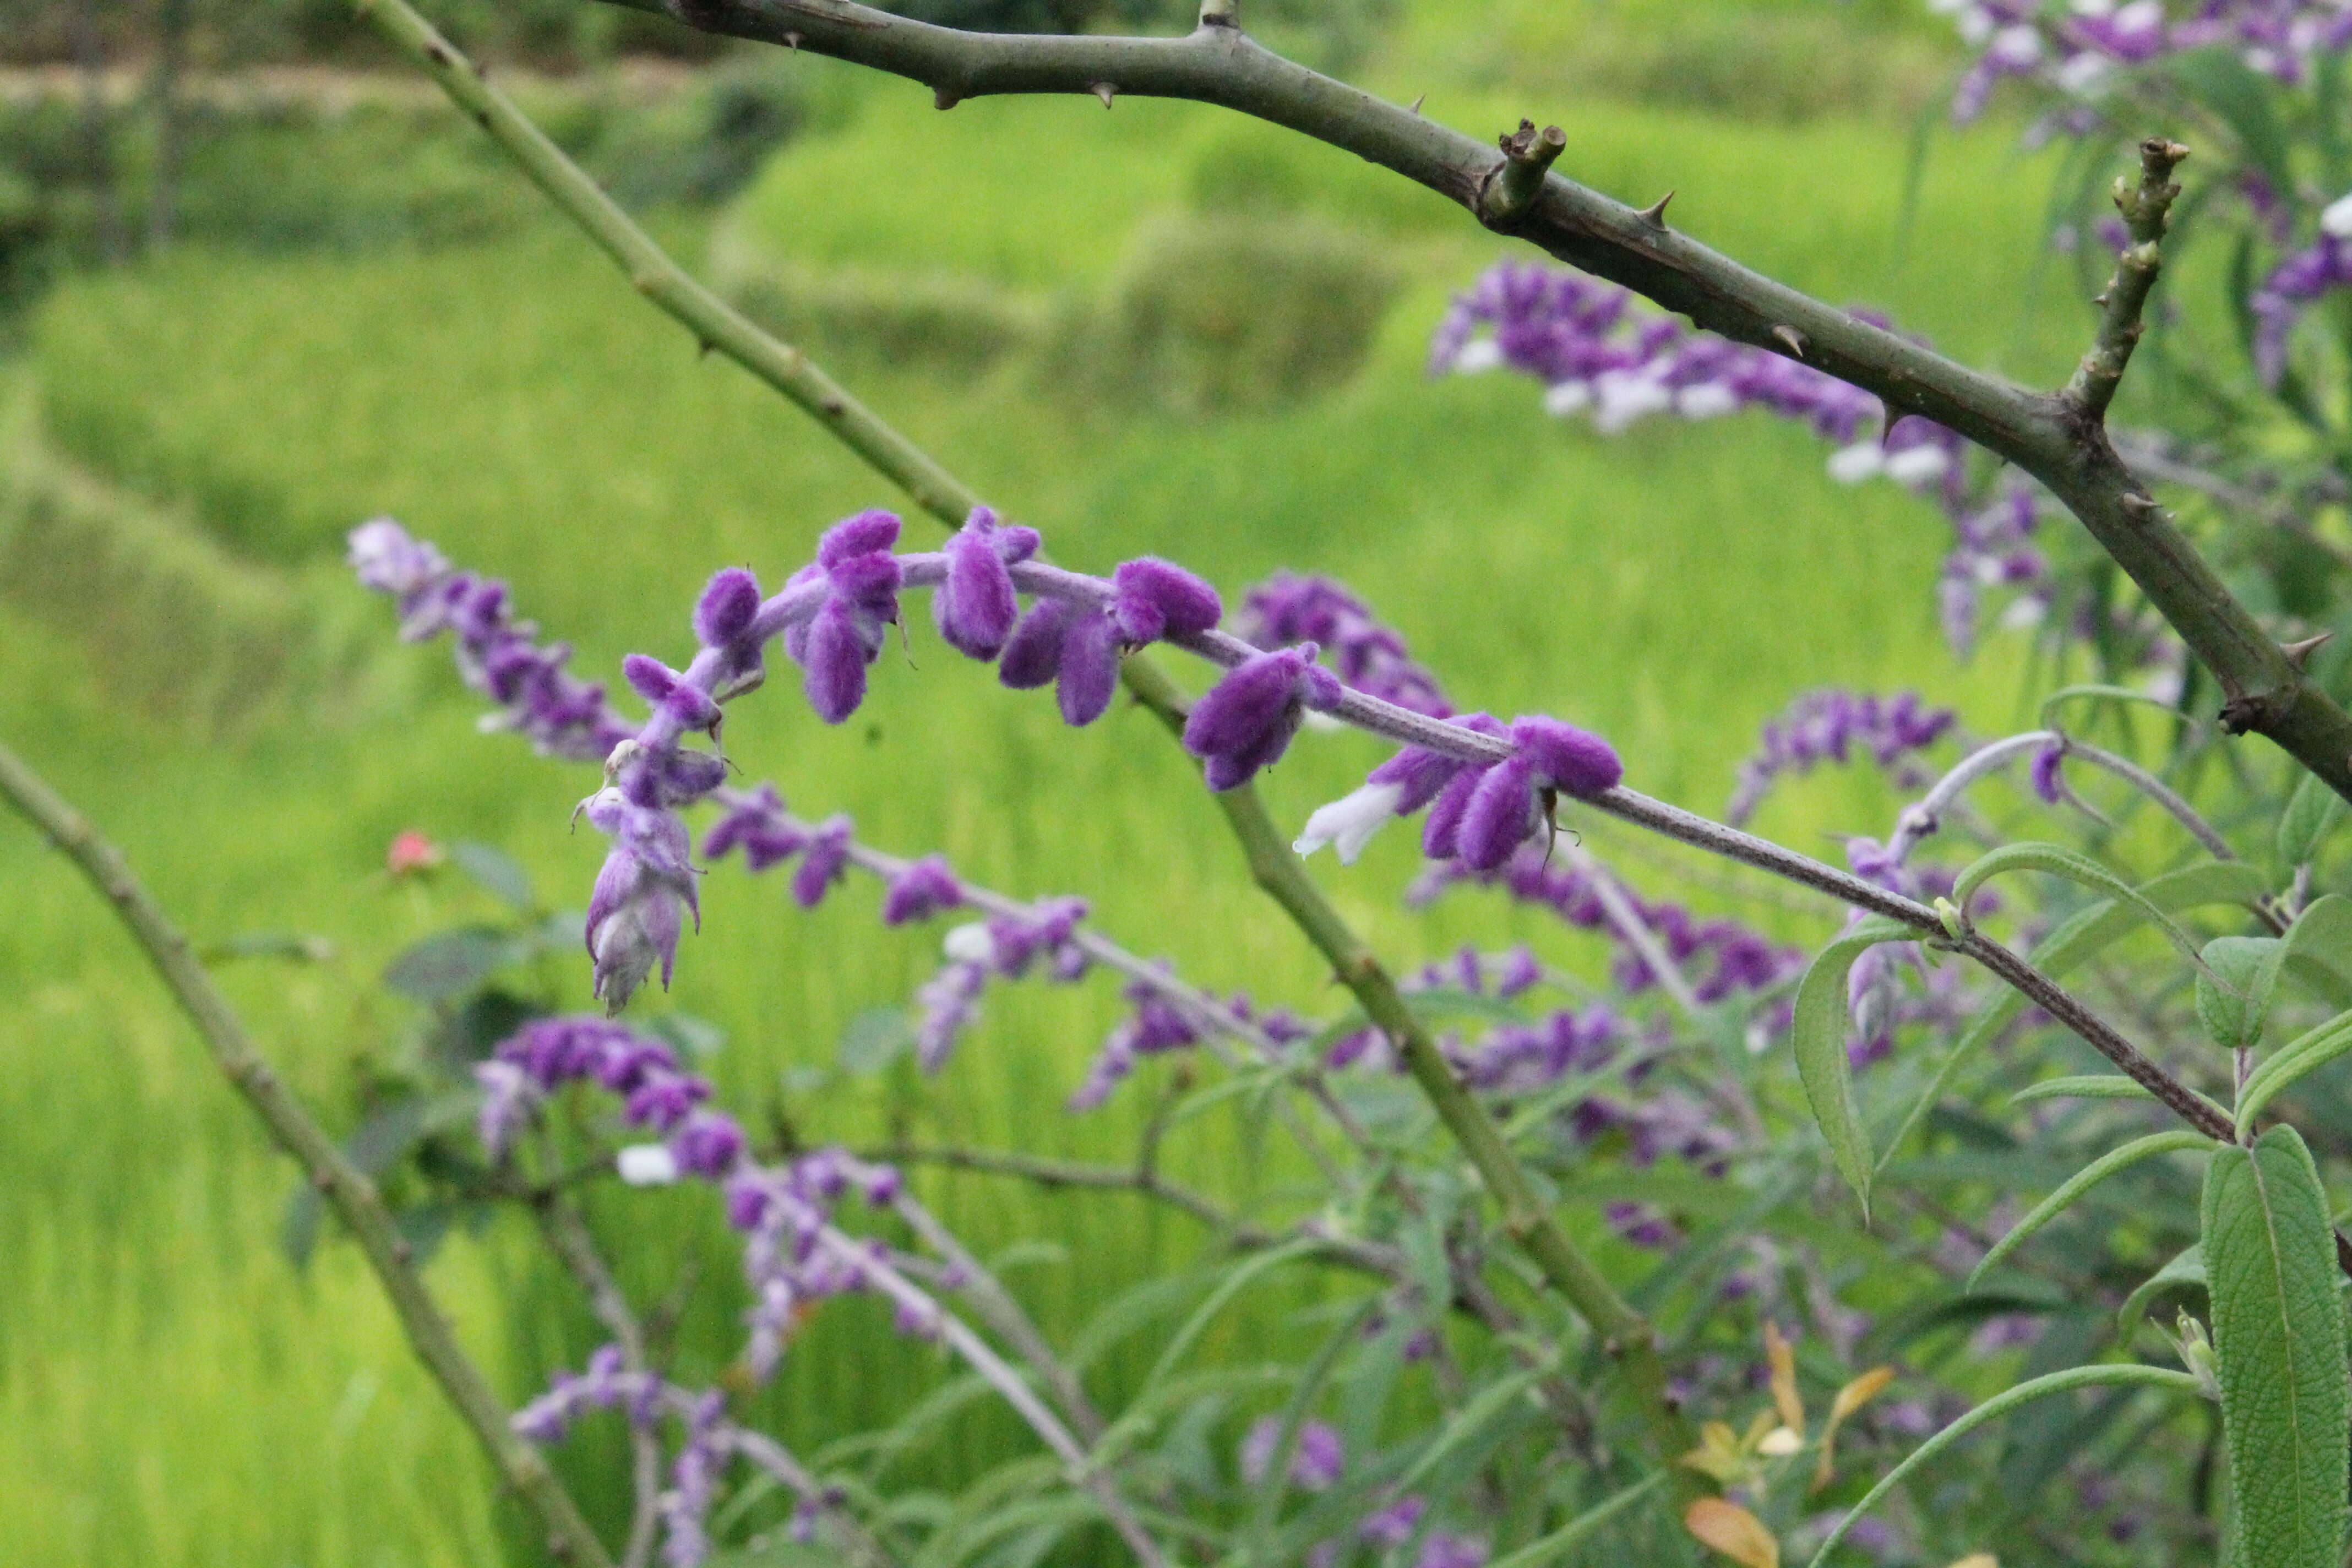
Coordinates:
[2319,948]
[2186,1271]
[1820,1030]
[2234,993]
[2307,1053]
[2059,861]
[2082,1182]
[2278,1341]
[2311,812]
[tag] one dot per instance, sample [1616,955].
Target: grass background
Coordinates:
[172,1391]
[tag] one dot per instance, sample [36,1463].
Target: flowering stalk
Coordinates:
[352,1194]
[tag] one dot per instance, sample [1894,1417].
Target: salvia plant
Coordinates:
[2001,1227]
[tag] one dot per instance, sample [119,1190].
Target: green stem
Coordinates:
[2055,437]
[354,1196]
[1626,1336]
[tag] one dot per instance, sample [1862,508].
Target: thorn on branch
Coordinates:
[1221,14]
[793,42]
[1104,91]
[1512,185]
[943,99]
[1418,100]
[1794,339]
[1654,214]
[2298,654]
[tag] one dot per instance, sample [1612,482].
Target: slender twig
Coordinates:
[575,1244]
[2057,438]
[1635,931]
[2145,207]
[291,1127]
[996,1307]
[1010,1385]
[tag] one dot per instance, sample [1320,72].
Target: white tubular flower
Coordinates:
[2337,221]
[647,1165]
[1851,465]
[969,944]
[1477,354]
[1348,823]
[1915,464]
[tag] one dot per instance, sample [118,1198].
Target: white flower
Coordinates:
[1322,723]
[2027,611]
[1705,400]
[1916,465]
[647,1165]
[1620,397]
[1851,465]
[2337,220]
[1348,823]
[2079,73]
[970,944]
[1477,354]
[1566,399]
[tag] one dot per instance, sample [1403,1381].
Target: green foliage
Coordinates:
[2278,1340]
[2235,988]
[1818,1031]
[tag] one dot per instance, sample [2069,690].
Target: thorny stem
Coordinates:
[575,1244]
[291,1127]
[2144,209]
[2057,438]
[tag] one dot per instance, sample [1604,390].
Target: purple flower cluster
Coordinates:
[1159,1024]
[1317,1462]
[1722,957]
[1007,945]
[2290,289]
[708,1439]
[1597,351]
[497,655]
[655,1096]
[2078,48]
[1828,726]
[1289,608]
[1315,1459]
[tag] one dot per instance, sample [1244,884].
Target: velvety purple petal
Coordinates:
[975,608]
[1231,770]
[835,677]
[725,610]
[1033,655]
[1157,598]
[1439,829]
[1089,667]
[1242,706]
[1494,819]
[1569,759]
[650,678]
[864,534]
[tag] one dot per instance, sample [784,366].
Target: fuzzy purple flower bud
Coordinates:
[1071,643]
[824,861]
[1246,722]
[661,686]
[1316,1461]
[945,1006]
[728,603]
[1157,598]
[975,607]
[508,1099]
[707,1144]
[921,891]
[1500,811]
[846,633]
[2047,782]
[754,821]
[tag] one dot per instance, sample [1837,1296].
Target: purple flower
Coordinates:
[824,861]
[707,1144]
[1499,812]
[642,896]
[1315,1459]
[975,607]
[1441,1550]
[1071,643]
[509,1099]
[945,1008]
[1288,608]
[1245,720]
[2047,784]
[1157,598]
[1393,1526]
[754,821]
[1828,725]
[921,891]
[834,646]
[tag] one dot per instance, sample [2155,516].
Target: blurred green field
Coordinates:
[162,1365]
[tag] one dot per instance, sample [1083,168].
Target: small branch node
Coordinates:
[1221,14]
[2242,713]
[1792,339]
[793,42]
[1512,185]
[1654,214]
[2140,505]
[942,98]
[1103,91]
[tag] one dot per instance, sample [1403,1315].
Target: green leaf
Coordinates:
[495,873]
[2080,937]
[2051,704]
[2233,992]
[1550,1548]
[2001,1405]
[2310,813]
[1819,1031]
[1231,1286]
[2060,861]
[2319,948]
[450,964]
[2084,1086]
[2306,1054]
[2186,1270]
[2082,1182]
[2278,1341]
